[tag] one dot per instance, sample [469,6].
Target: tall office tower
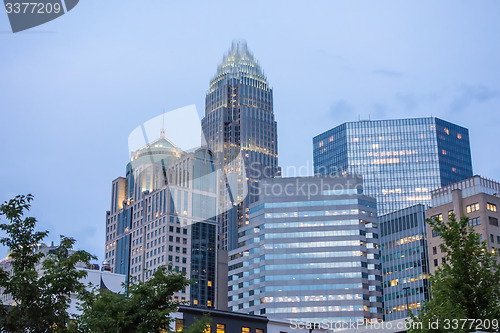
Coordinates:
[404,259]
[477,198]
[401,160]
[162,213]
[240,129]
[310,252]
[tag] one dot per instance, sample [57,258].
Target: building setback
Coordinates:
[477,198]
[310,252]
[240,130]
[401,160]
[404,259]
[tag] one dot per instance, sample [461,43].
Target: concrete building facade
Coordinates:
[477,198]
[163,213]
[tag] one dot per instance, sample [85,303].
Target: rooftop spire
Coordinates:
[239,60]
[162,132]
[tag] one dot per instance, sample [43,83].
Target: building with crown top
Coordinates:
[241,131]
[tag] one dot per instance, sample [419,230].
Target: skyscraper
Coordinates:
[400,160]
[239,126]
[163,213]
[310,252]
[405,261]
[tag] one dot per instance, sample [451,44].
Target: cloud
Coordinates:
[470,94]
[387,73]
[341,109]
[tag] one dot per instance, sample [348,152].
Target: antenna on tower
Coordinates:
[162,132]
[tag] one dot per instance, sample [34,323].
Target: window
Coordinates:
[439,217]
[245,330]
[491,207]
[221,328]
[435,233]
[498,239]
[434,250]
[493,221]
[179,325]
[435,262]
[258,330]
[475,221]
[207,329]
[209,283]
[209,303]
[492,238]
[472,208]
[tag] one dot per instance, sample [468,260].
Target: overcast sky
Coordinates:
[72,90]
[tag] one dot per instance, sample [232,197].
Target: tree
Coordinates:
[145,307]
[466,286]
[41,300]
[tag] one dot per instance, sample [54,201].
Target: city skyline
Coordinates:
[440,73]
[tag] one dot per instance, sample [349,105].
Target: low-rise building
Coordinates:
[477,198]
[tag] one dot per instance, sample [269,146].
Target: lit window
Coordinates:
[459,136]
[179,325]
[447,131]
[472,208]
[245,330]
[443,152]
[439,217]
[209,283]
[207,329]
[491,207]
[209,303]
[221,328]
[195,302]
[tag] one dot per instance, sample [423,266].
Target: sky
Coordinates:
[72,90]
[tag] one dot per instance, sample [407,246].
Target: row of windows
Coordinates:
[307,224]
[314,234]
[318,213]
[472,208]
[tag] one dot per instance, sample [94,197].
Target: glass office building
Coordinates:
[400,160]
[405,261]
[310,252]
[240,130]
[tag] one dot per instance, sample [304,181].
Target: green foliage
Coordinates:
[41,303]
[145,308]
[198,326]
[467,286]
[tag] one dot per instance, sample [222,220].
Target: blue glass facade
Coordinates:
[310,252]
[400,160]
[239,122]
[404,259]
